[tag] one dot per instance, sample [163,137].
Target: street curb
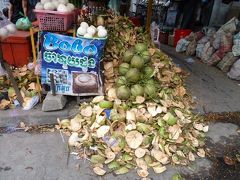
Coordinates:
[35,116]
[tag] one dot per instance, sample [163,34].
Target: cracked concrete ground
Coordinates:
[44,157]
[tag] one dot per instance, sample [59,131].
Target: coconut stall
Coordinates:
[144,120]
[142,116]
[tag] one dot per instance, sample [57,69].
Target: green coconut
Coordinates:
[121,81]
[148,71]
[146,56]
[123,92]
[123,68]
[127,56]
[133,75]
[105,104]
[140,47]
[137,62]
[137,90]
[150,90]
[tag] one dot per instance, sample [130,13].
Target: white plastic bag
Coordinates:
[236,39]
[155,33]
[234,73]
[236,50]
[2,71]
[199,50]
[182,45]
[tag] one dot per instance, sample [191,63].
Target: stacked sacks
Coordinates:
[224,47]
[221,48]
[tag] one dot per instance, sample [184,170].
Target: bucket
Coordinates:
[179,34]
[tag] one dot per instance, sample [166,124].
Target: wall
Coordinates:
[219,13]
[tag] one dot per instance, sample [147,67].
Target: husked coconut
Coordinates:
[62,8]
[49,6]
[39,6]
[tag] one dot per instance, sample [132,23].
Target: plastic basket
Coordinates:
[54,21]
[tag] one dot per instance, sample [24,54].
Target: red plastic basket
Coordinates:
[54,21]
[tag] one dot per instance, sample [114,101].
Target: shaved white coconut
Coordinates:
[49,6]
[39,6]
[11,28]
[102,33]
[84,24]
[45,1]
[81,31]
[63,2]
[3,32]
[73,139]
[93,27]
[91,30]
[100,27]
[88,35]
[55,3]
[70,6]
[62,8]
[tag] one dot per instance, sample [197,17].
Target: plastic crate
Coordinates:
[54,20]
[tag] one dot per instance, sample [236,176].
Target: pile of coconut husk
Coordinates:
[27,84]
[144,121]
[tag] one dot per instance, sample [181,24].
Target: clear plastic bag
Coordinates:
[23,24]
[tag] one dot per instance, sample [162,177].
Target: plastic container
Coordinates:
[17,49]
[179,34]
[54,20]
[163,37]
[136,21]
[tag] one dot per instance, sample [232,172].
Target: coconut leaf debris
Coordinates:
[27,84]
[145,120]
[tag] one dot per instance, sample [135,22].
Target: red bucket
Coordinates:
[136,21]
[179,34]
[17,49]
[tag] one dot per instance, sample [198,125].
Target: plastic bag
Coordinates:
[37,70]
[191,49]
[234,73]
[226,43]
[227,62]
[191,37]
[182,45]
[6,27]
[236,39]
[230,26]
[2,71]
[203,40]
[23,24]
[217,41]
[214,59]
[199,35]
[209,31]
[236,50]
[207,52]
[199,50]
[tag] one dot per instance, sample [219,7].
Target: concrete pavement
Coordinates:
[26,156]
[212,89]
